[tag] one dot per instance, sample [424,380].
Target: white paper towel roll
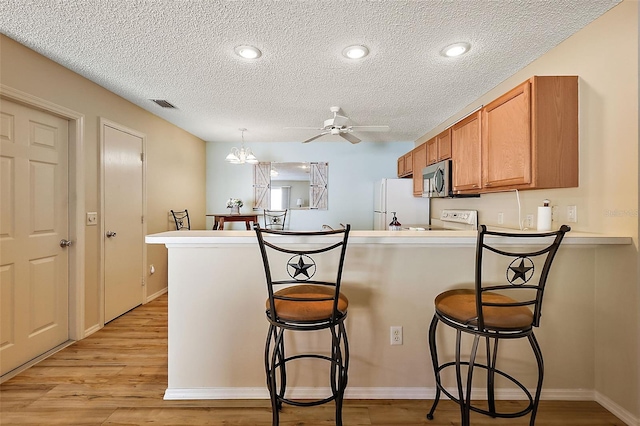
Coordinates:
[544,218]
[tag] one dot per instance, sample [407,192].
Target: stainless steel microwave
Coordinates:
[437,180]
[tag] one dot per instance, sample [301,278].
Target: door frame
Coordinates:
[76,203]
[102,123]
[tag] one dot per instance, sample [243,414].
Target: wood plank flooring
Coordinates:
[118,375]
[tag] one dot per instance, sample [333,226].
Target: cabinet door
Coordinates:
[443,141]
[408,163]
[466,154]
[432,151]
[419,163]
[401,166]
[506,139]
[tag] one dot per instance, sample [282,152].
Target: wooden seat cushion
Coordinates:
[460,306]
[306,310]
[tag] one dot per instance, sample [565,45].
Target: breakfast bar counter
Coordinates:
[217,322]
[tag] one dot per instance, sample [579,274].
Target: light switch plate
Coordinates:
[92,218]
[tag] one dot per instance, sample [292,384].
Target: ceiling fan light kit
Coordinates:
[337,125]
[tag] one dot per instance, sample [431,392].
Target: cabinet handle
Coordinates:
[487,184]
[475,186]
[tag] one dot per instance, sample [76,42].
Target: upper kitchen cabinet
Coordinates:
[466,153]
[419,163]
[443,143]
[439,148]
[405,165]
[530,136]
[432,151]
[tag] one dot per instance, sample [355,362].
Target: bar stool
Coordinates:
[304,302]
[484,313]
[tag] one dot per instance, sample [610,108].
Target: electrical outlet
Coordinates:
[572,214]
[92,218]
[529,221]
[396,334]
[500,218]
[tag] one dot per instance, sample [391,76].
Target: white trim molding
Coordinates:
[370,393]
[402,393]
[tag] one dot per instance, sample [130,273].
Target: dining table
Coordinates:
[221,218]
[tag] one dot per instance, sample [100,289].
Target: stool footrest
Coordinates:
[521,413]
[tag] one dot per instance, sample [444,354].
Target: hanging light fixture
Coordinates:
[242,155]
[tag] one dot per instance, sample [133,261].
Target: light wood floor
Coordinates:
[118,375]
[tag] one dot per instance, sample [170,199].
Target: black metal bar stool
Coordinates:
[486,312]
[304,302]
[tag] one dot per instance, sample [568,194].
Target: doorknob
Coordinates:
[110,234]
[65,243]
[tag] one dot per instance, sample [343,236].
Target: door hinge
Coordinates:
[142,156]
[141,219]
[142,282]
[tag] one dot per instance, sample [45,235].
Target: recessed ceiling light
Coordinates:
[355,52]
[455,49]
[248,52]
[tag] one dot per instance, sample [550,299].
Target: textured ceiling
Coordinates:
[183,51]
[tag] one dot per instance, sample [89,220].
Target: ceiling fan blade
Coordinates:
[350,137]
[370,128]
[315,137]
[340,120]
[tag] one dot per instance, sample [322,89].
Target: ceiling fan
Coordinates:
[337,125]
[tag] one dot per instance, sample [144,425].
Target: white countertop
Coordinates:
[423,238]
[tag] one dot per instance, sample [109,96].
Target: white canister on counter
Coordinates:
[544,217]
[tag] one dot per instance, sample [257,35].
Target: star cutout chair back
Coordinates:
[303,272]
[487,312]
[181,219]
[275,219]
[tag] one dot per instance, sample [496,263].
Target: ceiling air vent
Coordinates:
[163,103]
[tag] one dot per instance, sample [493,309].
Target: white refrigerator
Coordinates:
[396,195]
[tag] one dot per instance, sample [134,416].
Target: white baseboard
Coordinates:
[370,393]
[402,393]
[157,294]
[617,410]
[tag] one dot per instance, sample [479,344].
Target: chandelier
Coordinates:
[242,155]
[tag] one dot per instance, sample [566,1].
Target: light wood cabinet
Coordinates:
[405,165]
[432,151]
[443,142]
[419,163]
[466,154]
[530,136]
[401,166]
[408,163]
[439,148]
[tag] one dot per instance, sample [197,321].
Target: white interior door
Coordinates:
[34,266]
[123,220]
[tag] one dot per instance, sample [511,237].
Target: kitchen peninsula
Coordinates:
[217,323]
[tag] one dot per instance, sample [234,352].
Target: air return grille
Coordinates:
[163,103]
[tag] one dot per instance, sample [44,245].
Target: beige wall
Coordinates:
[175,158]
[605,57]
